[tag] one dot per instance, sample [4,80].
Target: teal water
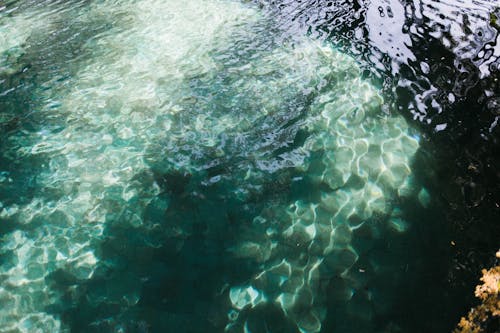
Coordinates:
[188,166]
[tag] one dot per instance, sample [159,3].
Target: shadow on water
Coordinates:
[414,289]
[163,276]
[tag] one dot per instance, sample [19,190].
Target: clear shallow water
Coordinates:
[206,166]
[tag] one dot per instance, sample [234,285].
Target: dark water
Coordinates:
[266,166]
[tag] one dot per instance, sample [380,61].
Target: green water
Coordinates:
[178,166]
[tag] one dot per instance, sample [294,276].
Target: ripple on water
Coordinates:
[179,99]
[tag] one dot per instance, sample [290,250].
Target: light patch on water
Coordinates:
[365,160]
[16,30]
[171,87]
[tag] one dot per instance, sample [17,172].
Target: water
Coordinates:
[236,166]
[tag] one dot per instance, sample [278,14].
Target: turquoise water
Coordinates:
[185,166]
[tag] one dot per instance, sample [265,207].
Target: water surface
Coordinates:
[229,166]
